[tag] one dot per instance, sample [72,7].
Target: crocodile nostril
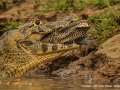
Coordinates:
[40,30]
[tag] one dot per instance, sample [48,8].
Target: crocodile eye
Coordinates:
[37,22]
[27,43]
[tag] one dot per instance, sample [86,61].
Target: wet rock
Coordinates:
[110,72]
[96,68]
[111,47]
[99,78]
[85,64]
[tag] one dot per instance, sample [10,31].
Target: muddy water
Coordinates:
[54,83]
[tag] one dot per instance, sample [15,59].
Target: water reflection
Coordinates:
[54,83]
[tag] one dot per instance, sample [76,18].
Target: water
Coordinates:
[54,83]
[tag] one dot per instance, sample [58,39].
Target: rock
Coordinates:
[95,68]
[84,66]
[111,47]
[109,72]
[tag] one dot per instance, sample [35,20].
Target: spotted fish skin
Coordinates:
[17,58]
[69,34]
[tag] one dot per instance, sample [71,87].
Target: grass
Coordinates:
[100,4]
[19,12]
[105,25]
[64,5]
[12,25]
[54,5]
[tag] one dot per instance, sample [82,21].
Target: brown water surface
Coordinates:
[55,83]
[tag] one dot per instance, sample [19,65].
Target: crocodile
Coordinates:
[18,53]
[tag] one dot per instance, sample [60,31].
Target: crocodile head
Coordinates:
[34,27]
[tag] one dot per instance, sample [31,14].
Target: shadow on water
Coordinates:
[55,83]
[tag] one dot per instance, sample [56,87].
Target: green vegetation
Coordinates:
[3,4]
[70,5]
[105,25]
[100,4]
[12,25]
[73,5]
[19,12]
